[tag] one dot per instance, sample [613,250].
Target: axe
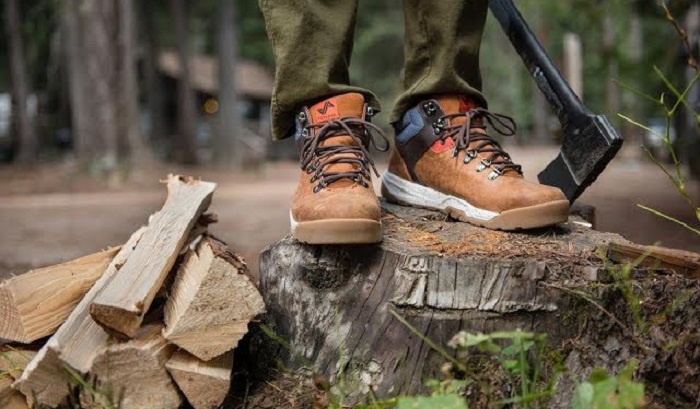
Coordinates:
[589,142]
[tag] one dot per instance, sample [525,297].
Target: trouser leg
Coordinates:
[312,41]
[441,50]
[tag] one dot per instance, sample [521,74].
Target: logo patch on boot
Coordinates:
[326,111]
[442,146]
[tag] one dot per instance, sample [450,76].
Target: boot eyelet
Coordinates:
[495,174]
[360,181]
[483,165]
[438,126]
[429,108]
[305,132]
[302,117]
[319,187]
[469,156]
[369,112]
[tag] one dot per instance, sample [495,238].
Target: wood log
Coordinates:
[122,303]
[212,300]
[13,360]
[12,399]
[132,374]
[205,384]
[45,380]
[680,261]
[332,305]
[34,304]
[12,363]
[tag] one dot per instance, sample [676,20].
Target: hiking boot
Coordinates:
[445,160]
[334,202]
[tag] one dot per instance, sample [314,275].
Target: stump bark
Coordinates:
[333,305]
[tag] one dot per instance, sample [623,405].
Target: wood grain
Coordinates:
[122,303]
[680,261]
[12,363]
[135,371]
[34,304]
[212,301]
[75,344]
[205,384]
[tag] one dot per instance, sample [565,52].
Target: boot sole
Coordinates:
[337,231]
[400,191]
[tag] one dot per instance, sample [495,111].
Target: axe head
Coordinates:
[589,143]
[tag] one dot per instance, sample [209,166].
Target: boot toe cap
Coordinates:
[355,202]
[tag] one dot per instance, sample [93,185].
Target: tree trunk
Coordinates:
[26,138]
[80,101]
[154,88]
[185,147]
[228,147]
[130,133]
[333,306]
[102,67]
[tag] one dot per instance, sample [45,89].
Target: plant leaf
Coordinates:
[583,396]
[434,402]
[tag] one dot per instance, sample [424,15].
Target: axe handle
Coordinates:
[563,100]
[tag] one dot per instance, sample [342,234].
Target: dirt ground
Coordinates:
[52,213]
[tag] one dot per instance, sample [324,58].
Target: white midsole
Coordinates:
[418,195]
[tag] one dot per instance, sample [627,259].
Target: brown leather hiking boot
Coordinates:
[445,160]
[334,202]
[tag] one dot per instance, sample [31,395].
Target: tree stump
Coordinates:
[333,305]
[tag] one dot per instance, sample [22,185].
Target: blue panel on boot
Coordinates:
[411,124]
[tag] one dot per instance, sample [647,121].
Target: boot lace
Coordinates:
[315,158]
[463,136]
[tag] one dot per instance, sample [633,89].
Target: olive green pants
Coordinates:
[312,41]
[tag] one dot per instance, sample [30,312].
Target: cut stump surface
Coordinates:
[333,304]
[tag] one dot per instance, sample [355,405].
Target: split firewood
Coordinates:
[46,380]
[10,398]
[199,229]
[12,363]
[132,374]
[34,304]
[122,303]
[205,384]
[14,360]
[212,301]
[683,262]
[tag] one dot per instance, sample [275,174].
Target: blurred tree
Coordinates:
[251,28]
[102,72]
[26,138]
[228,149]
[102,68]
[637,33]
[132,145]
[78,88]
[378,52]
[185,146]
[149,14]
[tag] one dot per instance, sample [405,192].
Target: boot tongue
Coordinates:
[452,104]
[345,105]
[351,104]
